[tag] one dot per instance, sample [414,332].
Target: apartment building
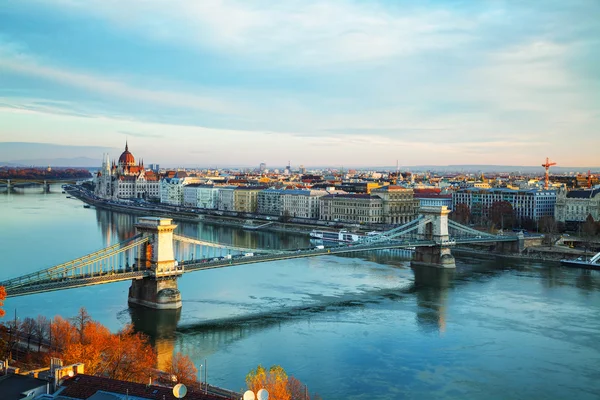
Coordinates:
[351,208]
[301,203]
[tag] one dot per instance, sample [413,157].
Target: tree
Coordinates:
[80,321]
[461,213]
[129,357]
[285,216]
[2,298]
[42,327]
[183,368]
[62,333]
[547,225]
[502,214]
[298,390]
[275,381]
[28,327]
[589,227]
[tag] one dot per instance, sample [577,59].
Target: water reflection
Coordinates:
[160,326]
[120,226]
[431,289]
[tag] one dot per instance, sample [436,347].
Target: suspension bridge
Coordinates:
[159,257]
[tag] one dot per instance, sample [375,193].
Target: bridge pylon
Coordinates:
[159,289]
[436,229]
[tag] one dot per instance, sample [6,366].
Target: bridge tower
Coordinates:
[159,289]
[436,229]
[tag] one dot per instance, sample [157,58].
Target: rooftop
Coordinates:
[85,386]
[12,386]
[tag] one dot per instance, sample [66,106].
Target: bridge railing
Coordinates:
[64,269]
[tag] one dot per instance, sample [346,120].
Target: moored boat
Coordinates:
[340,236]
[583,262]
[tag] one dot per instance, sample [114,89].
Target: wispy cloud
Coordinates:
[373,80]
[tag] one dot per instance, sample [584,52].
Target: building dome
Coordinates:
[126,159]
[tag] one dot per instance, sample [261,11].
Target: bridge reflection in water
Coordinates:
[160,328]
[202,338]
[431,288]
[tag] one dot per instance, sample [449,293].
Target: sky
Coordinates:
[339,83]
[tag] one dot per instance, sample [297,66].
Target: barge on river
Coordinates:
[583,262]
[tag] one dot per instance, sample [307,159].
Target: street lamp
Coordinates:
[201,376]
[262,394]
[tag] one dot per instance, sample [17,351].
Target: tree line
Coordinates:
[43,173]
[124,355]
[501,215]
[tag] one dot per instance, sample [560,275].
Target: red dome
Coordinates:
[126,157]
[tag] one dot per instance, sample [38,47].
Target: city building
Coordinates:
[201,196]
[245,198]
[125,179]
[399,204]
[351,208]
[171,191]
[532,204]
[576,205]
[301,203]
[433,198]
[269,201]
[226,198]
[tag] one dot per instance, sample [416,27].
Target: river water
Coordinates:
[355,327]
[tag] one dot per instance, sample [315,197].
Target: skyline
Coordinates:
[323,83]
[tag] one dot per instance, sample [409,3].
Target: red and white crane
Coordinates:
[547,166]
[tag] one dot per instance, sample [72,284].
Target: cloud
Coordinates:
[142,134]
[293,32]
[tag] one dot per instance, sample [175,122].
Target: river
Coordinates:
[354,327]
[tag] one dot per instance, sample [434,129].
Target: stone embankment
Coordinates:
[542,253]
[182,214]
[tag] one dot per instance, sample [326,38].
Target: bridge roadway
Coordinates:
[203,264]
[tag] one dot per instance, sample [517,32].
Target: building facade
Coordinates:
[126,179]
[532,204]
[245,199]
[301,203]
[399,204]
[172,190]
[201,196]
[351,208]
[226,198]
[269,202]
[576,205]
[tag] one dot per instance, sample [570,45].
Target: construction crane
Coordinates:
[547,166]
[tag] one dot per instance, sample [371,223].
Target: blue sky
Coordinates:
[343,82]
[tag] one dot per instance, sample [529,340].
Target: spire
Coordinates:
[126,146]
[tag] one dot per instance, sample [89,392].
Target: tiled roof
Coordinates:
[83,386]
[583,194]
[351,196]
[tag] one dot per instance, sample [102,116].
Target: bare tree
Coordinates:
[549,228]
[28,329]
[42,329]
[80,321]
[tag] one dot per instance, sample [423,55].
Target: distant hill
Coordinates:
[49,154]
[80,162]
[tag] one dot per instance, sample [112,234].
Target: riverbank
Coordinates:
[540,253]
[176,213]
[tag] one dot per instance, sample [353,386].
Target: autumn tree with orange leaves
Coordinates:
[184,369]
[2,298]
[125,355]
[279,385]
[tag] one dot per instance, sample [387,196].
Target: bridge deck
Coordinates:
[197,265]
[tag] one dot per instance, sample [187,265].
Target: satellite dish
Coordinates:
[262,394]
[249,395]
[179,391]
